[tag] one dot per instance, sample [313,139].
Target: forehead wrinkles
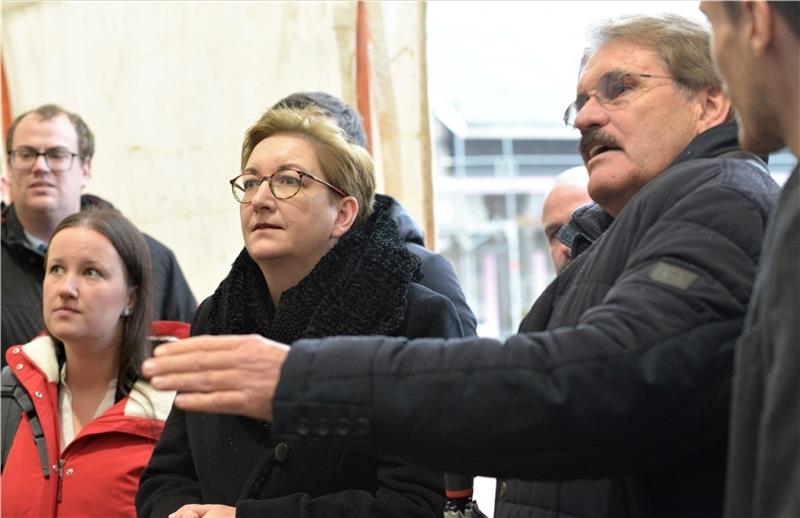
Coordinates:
[622,57]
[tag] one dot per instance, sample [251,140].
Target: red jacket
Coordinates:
[98,473]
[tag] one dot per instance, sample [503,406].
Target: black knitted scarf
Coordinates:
[358,288]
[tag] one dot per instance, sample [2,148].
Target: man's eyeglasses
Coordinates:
[57,159]
[612,92]
[284,184]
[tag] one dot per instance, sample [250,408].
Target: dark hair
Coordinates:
[135,255]
[345,115]
[49,111]
[789,11]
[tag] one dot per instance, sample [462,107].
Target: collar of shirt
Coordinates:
[36,243]
[65,407]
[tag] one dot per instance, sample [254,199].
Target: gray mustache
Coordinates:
[593,137]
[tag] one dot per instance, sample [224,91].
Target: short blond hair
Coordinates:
[346,165]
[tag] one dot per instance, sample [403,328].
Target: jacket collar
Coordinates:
[13,234]
[589,222]
[409,231]
[586,225]
[712,143]
[143,401]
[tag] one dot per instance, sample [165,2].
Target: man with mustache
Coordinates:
[49,163]
[616,389]
[756,46]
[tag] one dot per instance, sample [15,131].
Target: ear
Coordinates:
[346,214]
[713,108]
[133,292]
[760,30]
[86,172]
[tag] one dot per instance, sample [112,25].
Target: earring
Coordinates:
[126,312]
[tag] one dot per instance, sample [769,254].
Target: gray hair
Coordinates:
[684,46]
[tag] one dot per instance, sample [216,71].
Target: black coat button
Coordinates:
[362,426]
[323,428]
[281,451]
[342,427]
[303,426]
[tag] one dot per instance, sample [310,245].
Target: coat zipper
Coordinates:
[60,472]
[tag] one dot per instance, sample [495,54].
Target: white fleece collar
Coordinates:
[143,401]
[42,352]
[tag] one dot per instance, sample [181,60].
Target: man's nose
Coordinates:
[40,164]
[591,114]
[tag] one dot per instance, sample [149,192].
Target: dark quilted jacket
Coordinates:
[621,373]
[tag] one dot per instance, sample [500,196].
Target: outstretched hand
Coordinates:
[235,374]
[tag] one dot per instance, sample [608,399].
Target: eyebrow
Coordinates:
[616,71]
[54,148]
[82,263]
[287,165]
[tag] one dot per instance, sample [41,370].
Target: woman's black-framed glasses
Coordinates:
[283,184]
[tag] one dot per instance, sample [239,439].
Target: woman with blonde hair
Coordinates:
[318,261]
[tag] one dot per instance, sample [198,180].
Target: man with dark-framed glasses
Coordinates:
[613,398]
[49,163]
[57,159]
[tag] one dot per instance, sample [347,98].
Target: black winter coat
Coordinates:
[625,373]
[436,272]
[363,285]
[23,273]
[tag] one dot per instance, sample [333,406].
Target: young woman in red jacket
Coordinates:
[97,422]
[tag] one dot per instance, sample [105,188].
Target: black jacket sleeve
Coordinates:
[640,377]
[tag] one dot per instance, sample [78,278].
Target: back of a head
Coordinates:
[577,175]
[569,191]
[346,117]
